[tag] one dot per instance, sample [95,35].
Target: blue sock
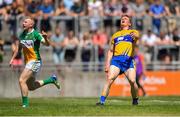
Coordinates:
[103,99]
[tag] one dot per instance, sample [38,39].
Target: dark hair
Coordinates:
[124,9]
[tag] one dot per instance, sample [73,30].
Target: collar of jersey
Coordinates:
[31,31]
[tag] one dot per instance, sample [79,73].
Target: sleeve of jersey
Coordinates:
[40,37]
[112,41]
[111,44]
[137,33]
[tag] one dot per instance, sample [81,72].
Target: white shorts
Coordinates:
[34,65]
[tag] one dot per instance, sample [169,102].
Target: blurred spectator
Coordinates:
[139,12]
[61,10]
[78,9]
[157,11]
[71,43]
[5,3]
[86,49]
[166,62]
[172,9]
[68,3]
[110,10]
[1,3]
[176,41]
[2,12]
[100,41]
[85,3]
[13,12]
[57,44]
[1,50]
[95,10]
[149,2]
[125,8]
[17,62]
[164,41]
[20,2]
[8,2]
[32,10]
[149,40]
[46,10]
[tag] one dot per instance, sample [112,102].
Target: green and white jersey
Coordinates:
[30,42]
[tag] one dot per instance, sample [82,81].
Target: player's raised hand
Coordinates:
[11,63]
[134,35]
[46,38]
[44,34]
[106,69]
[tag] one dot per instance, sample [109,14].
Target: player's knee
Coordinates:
[138,85]
[110,77]
[110,81]
[132,81]
[22,81]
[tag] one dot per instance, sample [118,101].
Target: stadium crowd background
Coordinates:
[82,28]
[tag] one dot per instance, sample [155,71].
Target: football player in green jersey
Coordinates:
[29,42]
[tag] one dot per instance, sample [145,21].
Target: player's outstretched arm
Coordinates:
[108,58]
[15,52]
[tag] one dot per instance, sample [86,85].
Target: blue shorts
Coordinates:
[123,63]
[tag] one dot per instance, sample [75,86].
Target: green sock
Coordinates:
[25,100]
[48,81]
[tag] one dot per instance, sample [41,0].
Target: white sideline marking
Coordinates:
[161,101]
[164,101]
[93,116]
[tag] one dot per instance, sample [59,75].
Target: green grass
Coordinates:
[154,106]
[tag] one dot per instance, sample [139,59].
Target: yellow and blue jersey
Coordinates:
[123,50]
[124,43]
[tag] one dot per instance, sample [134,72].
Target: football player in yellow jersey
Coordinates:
[120,59]
[29,42]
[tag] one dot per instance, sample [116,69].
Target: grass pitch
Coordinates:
[149,106]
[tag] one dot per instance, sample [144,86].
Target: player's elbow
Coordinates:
[15,51]
[110,52]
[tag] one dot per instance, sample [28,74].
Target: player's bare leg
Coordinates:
[27,82]
[131,76]
[112,75]
[25,75]
[35,84]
